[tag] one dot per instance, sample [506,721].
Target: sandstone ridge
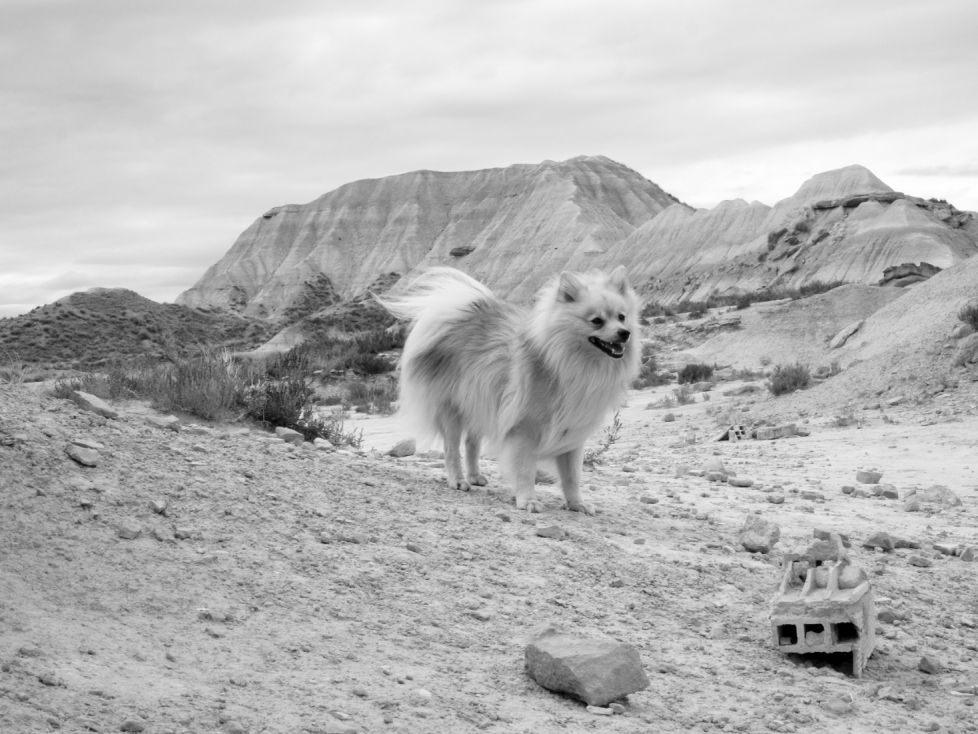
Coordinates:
[514,227]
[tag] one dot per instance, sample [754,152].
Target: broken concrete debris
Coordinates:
[824,605]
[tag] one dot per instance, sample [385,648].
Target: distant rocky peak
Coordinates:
[838,183]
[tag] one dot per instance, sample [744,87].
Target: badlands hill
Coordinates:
[97,326]
[506,226]
[513,227]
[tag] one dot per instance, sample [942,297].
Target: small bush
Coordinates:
[788,378]
[969,315]
[654,309]
[649,374]
[370,364]
[695,372]
[743,301]
[684,396]
[282,402]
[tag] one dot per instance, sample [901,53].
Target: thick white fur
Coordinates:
[529,381]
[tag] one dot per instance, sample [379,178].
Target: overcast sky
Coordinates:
[140,138]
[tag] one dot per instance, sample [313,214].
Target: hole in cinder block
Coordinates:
[845,632]
[787,634]
[839,661]
[815,634]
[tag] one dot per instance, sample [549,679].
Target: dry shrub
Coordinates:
[969,314]
[789,377]
[695,372]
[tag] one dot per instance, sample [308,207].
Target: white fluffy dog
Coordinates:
[536,383]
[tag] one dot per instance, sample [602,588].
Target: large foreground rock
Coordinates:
[595,670]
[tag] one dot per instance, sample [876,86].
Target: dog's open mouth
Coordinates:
[612,349]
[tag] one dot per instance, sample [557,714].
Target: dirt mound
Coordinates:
[792,331]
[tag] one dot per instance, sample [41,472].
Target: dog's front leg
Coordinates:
[520,449]
[569,469]
[472,473]
[451,429]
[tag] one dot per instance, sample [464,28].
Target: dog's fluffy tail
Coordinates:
[439,290]
[432,302]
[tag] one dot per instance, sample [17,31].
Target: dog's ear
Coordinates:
[619,280]
[570,287]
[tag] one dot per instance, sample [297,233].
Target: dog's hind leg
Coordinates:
[569,469]
[450,426]
[521,462]
[473,475]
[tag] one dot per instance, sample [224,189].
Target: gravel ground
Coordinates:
[217,579]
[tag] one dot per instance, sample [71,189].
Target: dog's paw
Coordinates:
[461,485]
[529,504]
[477,480]
[587,509]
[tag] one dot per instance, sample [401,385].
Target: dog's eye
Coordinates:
[621,317]
[598,321]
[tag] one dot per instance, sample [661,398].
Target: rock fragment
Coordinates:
[289,436]
[81,455]
[880,539]
[770,433]
[758,535]
[407,447]
[554,532]
[868,476]
[93,404]
[594,670]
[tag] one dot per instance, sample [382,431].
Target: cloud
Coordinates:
[941,171]
[149,136]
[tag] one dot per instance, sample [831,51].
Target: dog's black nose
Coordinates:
[623,335]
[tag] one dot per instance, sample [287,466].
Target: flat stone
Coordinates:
[740,482]
[93,404]
[930,665]
[128,530]
[88,443]
[868,476]
[770,433]
[164,422]
[82,455]
[554,532]
[594,670]
[289,436]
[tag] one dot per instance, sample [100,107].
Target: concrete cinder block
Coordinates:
[822,615]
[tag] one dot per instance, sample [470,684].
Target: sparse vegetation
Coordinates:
[684,396]
[695,372]
[649,374]
[969,314]
[788,378]
[695,309]
[611,433]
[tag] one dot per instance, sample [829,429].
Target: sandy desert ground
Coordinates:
[217,579]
